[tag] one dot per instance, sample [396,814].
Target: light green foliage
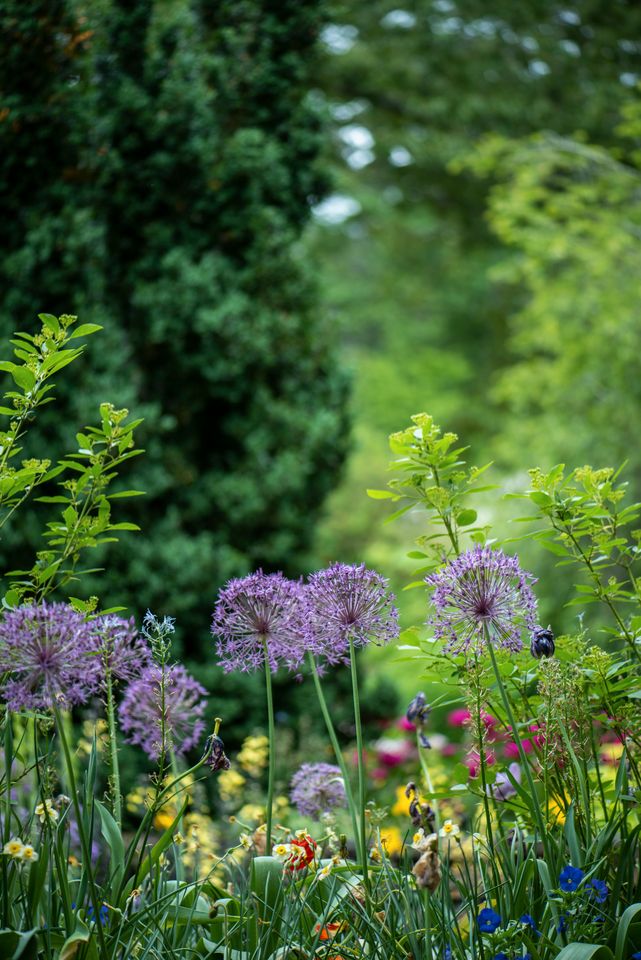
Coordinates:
[571,212]
[84,476]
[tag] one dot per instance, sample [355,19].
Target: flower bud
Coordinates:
[542,643]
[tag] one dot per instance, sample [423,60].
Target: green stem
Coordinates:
[8,758]
[84,843]
[525,764]
[116,796]
[272,748]
[340,760]
[361,766]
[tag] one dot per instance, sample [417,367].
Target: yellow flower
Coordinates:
[14,848]
[230,784]
[391,840]
[28,853]
[46,811]
[164,819]
[402,806]
[449,829]
[245,841]
[556,812]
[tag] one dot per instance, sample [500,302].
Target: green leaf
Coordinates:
[80,939]
[585,951]
[630,916]
[14,945]
[85,330]
[111,833]
[381,494]
[24,377]
[466,517]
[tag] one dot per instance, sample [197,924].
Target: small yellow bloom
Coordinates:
[391,840]
[163,820]
[178,838]
[245,841]
[449,829]
[14,848]
[28,853]
[46,811]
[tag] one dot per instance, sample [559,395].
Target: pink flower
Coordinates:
[404,724]
[473,762]
[511,749]
[458,717]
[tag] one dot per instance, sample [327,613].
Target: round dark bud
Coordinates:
[542,643]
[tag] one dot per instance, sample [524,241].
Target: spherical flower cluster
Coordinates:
[120,647]
[349,604]
[163,697]
[298,854]
[317,788]
[260,619]
[48,652]
[482,594]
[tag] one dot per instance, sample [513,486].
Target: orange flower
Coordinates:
[327,932]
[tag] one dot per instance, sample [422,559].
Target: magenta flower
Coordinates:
[349,603]
[168,694]
[48,653]
[317,788]
[120,647]
[260,618]
[483,593]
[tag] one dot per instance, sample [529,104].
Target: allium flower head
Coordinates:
[47,650]
[317,788]
[482,591]
[120,647]
[260,617]
[349,603]
[141,710]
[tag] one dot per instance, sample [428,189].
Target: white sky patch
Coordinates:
[399,18]
[539,68]
[339,37]
[344,112]
[357,159]
[629,79]
[336,209]
[400,156]
[356,136]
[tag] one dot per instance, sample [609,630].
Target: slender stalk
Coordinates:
[522,755]
[116,795]
[361,767]
[272,747]
[340,760]
[86,849]
[8,758]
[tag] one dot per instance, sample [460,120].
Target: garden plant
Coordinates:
[526,848]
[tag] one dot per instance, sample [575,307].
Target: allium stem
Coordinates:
[116,796]
[8,758]
[84,843]
[272,747]
[361,765]
[340,760]
[525,763]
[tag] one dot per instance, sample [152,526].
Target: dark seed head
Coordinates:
[542,644]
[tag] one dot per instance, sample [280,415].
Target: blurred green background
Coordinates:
[301,222]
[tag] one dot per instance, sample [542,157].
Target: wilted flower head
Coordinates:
[482,592]
[170,691]
[349,603]
[542,644]
[120,647]
[47,651]
[317,788]
[257,618]
[215,757]
[418,714]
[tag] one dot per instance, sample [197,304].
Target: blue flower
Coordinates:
[530,922]
[598,890]
[562,924]
[447,952]
[500,956]
[636,956]
[488,920]
[570,878]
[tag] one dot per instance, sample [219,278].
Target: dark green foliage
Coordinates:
[162,167]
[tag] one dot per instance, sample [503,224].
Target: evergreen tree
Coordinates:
[160,186]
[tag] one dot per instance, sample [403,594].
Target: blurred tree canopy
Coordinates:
[482,243]
[157,164]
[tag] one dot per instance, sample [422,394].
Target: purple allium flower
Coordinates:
[119,645]
[349,602]
[47,651]
[317,788]
[570,878]
[488,920]
[481,590]
[141,710]
[260,617]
